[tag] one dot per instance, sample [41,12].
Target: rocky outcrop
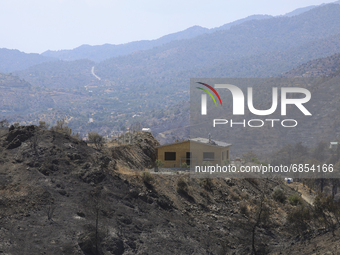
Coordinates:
[140,154]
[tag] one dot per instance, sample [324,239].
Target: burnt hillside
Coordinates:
[60,196]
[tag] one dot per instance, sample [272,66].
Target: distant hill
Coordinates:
[299,11]
[148,83]
[18,96]
[146,86]
[304,9]
[316,68]
[273,63]
[101,52]
[12,60]
[240,21]
[61,74]
[162,65]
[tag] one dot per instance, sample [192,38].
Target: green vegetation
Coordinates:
[250,157]
[97,139]
[63,128]
[43,125]
[158,163]
[147,178]
[295,199]
[300,218]
[279,195]
[324,213]
[327,211]
[184,165]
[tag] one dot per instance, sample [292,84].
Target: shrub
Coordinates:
[299,217]
[243,209]
[295,199]
[182,186]
[279,195]
[326,211]
[61,127]
[4,123]
[234,194]
[207,184]
[97,139]
[184,165]
[147,178]
[43,125]
[226,162]
[206,163]
[159,163]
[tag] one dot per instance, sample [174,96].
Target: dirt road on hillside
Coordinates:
[304,191]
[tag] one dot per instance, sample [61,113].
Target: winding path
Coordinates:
[309,198]
[92,71]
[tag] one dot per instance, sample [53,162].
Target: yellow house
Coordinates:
[193,152]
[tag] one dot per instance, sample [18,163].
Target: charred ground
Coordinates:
[60,196]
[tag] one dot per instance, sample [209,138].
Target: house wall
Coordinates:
[197,150]
[180,148]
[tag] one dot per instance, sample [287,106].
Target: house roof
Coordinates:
[202,140]
[212,142]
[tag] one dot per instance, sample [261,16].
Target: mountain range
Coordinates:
[14,60]
[152,85]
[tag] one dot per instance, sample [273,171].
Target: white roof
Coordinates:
[202,140]
[212,142]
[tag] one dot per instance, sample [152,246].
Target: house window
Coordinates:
[227,154]
[208,156]
[169,155]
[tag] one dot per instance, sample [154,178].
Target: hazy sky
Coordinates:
[40,25]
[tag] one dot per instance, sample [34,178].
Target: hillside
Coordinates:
[272,63]
[274,34]
[18,96]
[156,79]
[316,68]
[150,86]
[13,60]
[55,188]
[100,53]
[61,74]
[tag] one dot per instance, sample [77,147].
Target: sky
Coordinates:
[34,26]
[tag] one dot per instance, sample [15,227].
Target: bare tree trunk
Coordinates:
[97,220]
[322,184]
[258,220]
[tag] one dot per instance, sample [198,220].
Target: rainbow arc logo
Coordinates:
[208,92]
[204,97]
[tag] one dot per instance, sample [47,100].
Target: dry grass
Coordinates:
[126,170]
[14,190]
